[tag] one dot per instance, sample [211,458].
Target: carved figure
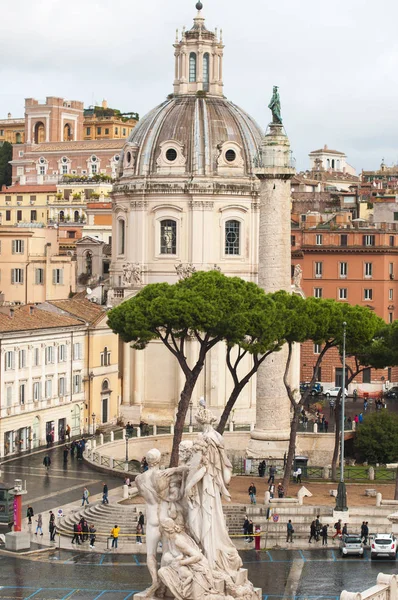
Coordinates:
[137,273]
[209,474]
[275,107]
[162,491]
[297,276]
[132,273]
[186,572]
[127,273]
[184,271]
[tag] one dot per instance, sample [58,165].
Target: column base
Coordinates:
[268,445]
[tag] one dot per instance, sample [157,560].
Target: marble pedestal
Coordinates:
[17,540]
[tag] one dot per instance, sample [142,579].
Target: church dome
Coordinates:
[193,135]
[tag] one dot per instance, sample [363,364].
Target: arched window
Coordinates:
[168,237]
[105,384]
[192,67]
[333,163]
[338,164]
[89,263]
[39,133]
[121,236]
[18,139]
[206,70]
[61,216]
[328,164]
[76,216]
[67,132]
[232,237]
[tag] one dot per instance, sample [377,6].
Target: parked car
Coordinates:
[317,388]
[383,544]
[334,392]
[351,544]
[392,393]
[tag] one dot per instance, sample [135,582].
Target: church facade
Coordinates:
[186,199]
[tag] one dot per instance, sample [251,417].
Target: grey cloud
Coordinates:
[335,63]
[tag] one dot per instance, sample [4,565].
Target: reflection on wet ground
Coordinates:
[63,575]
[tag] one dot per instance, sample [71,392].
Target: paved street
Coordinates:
[62,485]
[63,574]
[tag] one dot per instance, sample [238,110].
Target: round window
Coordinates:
[230,155]
[128,157]
[171,154]
[116,157]
[93,159]
[42,160]
[64,160]
[232,237]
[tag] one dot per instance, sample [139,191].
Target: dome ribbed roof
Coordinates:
[201,125]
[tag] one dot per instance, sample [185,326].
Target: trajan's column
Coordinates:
[274,169]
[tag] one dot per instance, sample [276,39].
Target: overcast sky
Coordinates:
[335,62]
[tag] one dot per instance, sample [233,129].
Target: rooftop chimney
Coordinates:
[9,116]
[31,310]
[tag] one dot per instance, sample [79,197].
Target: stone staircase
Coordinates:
[105,517]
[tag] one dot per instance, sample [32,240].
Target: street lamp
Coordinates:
[341,500]
[126,437]
[190,412]
[93,418]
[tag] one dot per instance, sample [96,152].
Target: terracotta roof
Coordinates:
[81,308]
[23,320]
[28,189]
[83,145]
[327,151]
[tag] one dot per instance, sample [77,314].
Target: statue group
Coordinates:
[184,513]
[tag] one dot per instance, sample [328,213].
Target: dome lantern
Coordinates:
[198,60]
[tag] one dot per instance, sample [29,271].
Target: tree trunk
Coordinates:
[183,406]
[292,448]
[228,407]
[337,418]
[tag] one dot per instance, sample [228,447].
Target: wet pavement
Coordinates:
[63,483]
[61,575]
[64,574]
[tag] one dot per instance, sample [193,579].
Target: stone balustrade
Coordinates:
[386,588]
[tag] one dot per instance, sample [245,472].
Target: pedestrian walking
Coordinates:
[77,529]
[281,490]
[366,533]
[141,521]
[246,528]
[115,536]
[52,527]
[250,530]
[66,454]
[105,494]
[324,534]
[298,474]
[85,531]
[92,532]
[318,527]
[290,531]
[261,468]
[29,514]
[138,532]
[252,493]
[67,432]
[337,527]
[85,497]
[360,418]
[345,529]
[47,462]
[271,472]
[312,532]
[39,522]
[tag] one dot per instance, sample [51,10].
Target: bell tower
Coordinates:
[198,59]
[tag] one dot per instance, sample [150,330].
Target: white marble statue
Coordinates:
[297,276]
[184,512]
[184,271]
[132,273]
[162,491]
